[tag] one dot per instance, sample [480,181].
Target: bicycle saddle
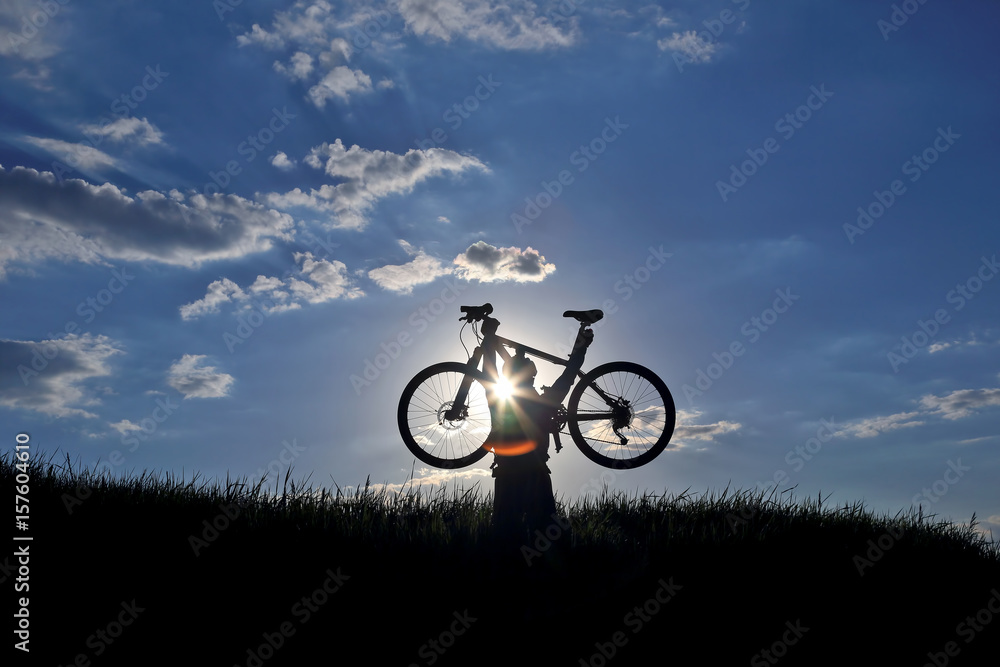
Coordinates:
[585,316]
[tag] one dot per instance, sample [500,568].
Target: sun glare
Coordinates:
[504,389]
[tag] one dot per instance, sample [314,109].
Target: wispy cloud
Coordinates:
[131,129]
[873,426]
[517,25]
[316,281]
[320,53]
[687,430]
[53,376]
[366,177]
[340,82]
[191,377]
[125,426]
[299,67]
[403,278]
[973,340]
[75,155]
[219,292]
[432,477]
[690,45]
[21,38]
[43,217]
[955,405]
[962,403]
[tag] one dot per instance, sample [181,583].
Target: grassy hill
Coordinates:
[153,569]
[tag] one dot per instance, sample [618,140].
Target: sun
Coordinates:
[503,388]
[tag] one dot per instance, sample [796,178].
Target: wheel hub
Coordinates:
[450,424]
[621,417]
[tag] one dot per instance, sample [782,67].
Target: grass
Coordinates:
[223,563]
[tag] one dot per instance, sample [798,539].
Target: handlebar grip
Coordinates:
[476,313]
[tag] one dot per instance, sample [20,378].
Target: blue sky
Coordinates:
[216,217]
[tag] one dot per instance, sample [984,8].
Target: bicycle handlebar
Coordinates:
[476,313]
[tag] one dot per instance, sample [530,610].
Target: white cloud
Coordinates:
[973,340]
[21,39]
[873,426]
[299,67]
[52,376]
[282,161]
[127,129]
[318,281]
[955,405]
[125,426]
[188,376]
[689,44]
[36,78]
[320,53]
[686,430]
[305,23]
[260,37]
[324,280]
[990,527]
[514,25]
[486,263]
[218,292]
[961,403]
[433,477]
[77,156]
[367,176]
[340,82]
[402,278]
[340,51]
[655,16]
[43,217]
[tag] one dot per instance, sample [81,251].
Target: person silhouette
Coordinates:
[523,500]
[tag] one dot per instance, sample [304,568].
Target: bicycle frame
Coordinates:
[499,343]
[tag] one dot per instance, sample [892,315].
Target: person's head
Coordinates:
[520,371]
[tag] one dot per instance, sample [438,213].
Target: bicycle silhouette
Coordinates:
[620,415]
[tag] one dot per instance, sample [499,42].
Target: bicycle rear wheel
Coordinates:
[437,441]
[621,415]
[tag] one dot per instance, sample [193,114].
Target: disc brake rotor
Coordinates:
[450,424]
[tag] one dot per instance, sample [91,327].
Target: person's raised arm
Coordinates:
[490,349]
[557,392]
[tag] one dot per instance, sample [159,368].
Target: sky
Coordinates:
[231,232]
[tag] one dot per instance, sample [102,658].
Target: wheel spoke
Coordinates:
[640,410]
[432,438]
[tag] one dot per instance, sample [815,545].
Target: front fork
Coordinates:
[458,409]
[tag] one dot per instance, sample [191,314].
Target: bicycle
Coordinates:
[620,414]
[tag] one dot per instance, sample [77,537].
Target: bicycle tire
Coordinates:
[431,438]
[636,391]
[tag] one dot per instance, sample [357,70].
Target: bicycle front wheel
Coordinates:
[621,415]
[435,440]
